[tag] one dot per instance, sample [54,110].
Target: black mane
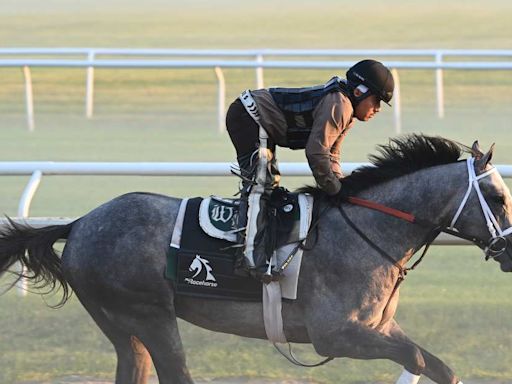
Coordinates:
[403,155]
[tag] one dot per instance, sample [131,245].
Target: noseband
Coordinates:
[497,243]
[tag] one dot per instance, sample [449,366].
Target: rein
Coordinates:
[292,359]
[494,247]
[409,217]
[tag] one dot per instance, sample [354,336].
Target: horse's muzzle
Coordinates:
[497,250]
[496,247]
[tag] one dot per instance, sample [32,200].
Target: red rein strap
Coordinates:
[382,208]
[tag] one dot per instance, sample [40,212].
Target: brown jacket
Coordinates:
[332,118]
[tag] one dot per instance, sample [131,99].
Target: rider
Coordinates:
[315,119]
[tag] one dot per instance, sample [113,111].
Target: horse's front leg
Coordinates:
[358,341]
[435,369]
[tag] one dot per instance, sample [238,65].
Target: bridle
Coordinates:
[497,243]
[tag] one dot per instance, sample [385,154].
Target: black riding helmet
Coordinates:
[374,75]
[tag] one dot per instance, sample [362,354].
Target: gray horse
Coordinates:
[348,285]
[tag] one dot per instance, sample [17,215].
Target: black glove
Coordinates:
[343,193]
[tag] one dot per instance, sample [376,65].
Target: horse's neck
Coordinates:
[432,194]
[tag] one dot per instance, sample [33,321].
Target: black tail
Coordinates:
[33,248]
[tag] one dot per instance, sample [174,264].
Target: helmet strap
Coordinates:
[363,89]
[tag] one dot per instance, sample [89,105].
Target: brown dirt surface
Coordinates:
[232,380]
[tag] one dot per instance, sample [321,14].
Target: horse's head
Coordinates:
[196,266]
[485,213]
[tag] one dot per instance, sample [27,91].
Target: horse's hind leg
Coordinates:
[133,360]
[156,327]
[136,330]
[160,336]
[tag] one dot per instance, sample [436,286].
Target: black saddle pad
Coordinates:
[203,265]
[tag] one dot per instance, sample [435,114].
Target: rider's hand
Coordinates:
[342,194]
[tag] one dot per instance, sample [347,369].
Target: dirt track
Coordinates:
[236,380]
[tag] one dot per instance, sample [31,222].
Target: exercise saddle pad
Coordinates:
[201,257]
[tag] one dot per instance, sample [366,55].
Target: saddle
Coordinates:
[201,256]
[288,217]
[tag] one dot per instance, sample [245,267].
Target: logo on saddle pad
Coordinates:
[223,213]
[201,268]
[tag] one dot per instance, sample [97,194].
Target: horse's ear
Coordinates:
[475,150]
[482,162]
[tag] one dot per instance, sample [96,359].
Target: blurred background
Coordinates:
[455,305]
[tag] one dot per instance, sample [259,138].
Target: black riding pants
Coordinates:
[244,133]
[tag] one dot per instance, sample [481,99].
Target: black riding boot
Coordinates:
[261,253]
[263,246]
[240,268]
[247,174]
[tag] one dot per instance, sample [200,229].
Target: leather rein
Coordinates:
[409,217]
[493,247]
[406,216]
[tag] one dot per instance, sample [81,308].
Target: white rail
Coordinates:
[37,169]
[258,61]
[20,168]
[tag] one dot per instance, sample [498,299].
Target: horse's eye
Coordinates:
[499,199]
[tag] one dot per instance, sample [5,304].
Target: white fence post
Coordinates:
[23,211]
[221,99]
[439,86]
[89,87]
[29,98]
[397,107]
[259,72]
